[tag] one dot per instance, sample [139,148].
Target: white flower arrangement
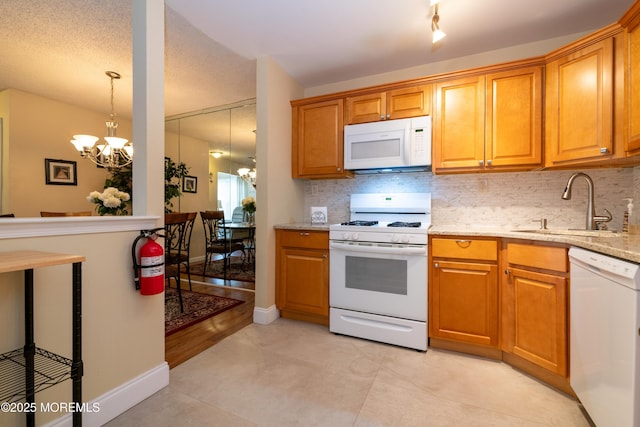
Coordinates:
[110,202]
[249,204]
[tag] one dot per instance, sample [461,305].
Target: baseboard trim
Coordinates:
[264,316]
[120,399]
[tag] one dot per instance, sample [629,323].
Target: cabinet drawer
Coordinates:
[545,257]
[303,239]
[465,248]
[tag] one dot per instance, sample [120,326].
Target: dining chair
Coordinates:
[185,243]
[55,214]
[238,235]
[175,225]
[215,241]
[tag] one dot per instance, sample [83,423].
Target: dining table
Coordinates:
[250,243]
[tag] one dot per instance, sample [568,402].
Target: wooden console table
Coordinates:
[31,369]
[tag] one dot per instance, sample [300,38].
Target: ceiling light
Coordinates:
[215,154]
[112,154]
[248,175]
[438,34]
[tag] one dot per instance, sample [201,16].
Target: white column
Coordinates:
[148,107]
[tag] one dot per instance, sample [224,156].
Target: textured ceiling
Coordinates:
[61,48]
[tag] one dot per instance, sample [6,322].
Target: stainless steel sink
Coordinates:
[572,232]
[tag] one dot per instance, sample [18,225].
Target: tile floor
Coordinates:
[293,373]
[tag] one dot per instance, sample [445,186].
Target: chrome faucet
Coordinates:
[592,219]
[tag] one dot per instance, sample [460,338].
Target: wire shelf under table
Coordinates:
[50,369]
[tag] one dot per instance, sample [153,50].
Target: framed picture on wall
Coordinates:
[60,172]
[190,184]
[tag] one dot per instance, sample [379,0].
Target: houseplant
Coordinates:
[173,175]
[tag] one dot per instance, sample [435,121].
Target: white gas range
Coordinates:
[378,269]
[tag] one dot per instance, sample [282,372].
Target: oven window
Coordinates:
[374,274]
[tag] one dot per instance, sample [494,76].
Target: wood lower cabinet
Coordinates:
[393,104]
[302,275]
[463,294]
[535,301]
[318,140]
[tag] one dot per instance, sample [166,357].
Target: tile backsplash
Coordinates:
[509,200]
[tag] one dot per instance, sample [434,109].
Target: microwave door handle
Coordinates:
[379,249]
[407,146]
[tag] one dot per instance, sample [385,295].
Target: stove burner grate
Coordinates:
[404,224]
[361,223]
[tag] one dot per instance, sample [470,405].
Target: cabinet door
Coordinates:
[303,282]
[579,104]
[394,104]
[366,108]
[514,118]
[409,102]
[463,302]
[458,124]
[318,143]
[538,328]
[633,86]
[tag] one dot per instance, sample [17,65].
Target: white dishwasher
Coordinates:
[605,337]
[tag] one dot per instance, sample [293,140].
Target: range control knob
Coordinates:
[346,236]
[405,238]
[395,238]
[355,236]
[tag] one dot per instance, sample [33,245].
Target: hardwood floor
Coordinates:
[185,344]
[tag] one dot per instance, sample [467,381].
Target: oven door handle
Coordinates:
[373,249]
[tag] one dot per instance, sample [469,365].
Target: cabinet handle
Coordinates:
[507,272]
[388,116]
[339,169]
[604,150]
[304,234]
[325,256]
[463,243]
[436,265]
[481,162]
[381,117]
[488,162]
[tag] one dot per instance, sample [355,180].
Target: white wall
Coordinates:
[280,198]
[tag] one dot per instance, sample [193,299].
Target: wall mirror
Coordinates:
[214,144]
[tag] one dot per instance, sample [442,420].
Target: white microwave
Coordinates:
[388,145]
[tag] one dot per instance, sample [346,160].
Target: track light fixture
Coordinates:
[438,34]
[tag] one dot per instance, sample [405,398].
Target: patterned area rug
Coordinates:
[197,307]
[239,270]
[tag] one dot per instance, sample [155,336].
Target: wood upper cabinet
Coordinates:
[302,274]
[463,291]
[632,119]
[579,104]
[318,141]
[513,127]
[458,124]
[489,122]
[393,104]
[535,306]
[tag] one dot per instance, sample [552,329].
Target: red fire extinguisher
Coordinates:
[149,270]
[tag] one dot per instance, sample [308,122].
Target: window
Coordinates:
[231,190]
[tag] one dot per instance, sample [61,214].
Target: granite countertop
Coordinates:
[619,245]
